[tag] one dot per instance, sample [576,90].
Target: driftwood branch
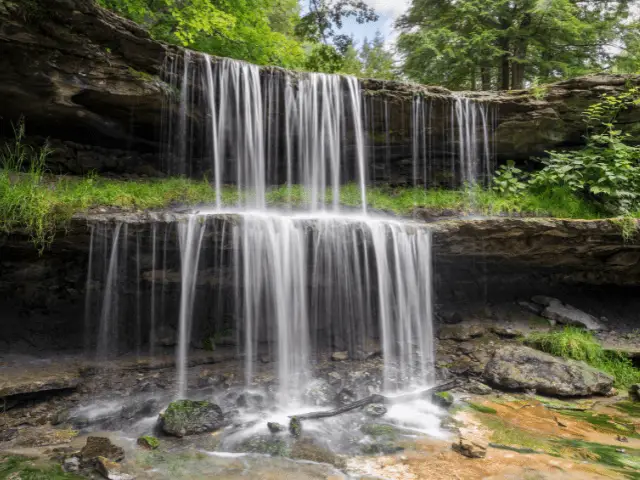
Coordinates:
[375,398]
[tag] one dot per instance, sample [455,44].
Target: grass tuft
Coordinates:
[25,468]
[577,344]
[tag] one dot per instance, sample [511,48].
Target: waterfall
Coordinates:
[300,282]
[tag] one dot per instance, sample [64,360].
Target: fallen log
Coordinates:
[375,398]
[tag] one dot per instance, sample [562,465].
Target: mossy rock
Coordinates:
[384,439]
[188,417]
[442,399]
[378,430]
[307,449]
[148,442]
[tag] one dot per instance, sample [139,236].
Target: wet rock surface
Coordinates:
[100,447]
[470,447]
[558,312]
[189,417]
[523,368]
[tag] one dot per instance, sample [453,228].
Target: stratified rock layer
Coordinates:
[91,81]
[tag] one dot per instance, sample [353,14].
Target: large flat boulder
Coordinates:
[523,368]
[19,381]
[566,314]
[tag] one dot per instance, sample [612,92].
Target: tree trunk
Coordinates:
[485,77]
[504,45]
[504,69]
[520,54]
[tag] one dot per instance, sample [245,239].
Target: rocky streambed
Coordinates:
[513,410]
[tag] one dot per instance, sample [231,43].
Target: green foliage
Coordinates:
[260,31]
[508,179]
[16,156]
[578,344]
[25,468]
[265,32]
[475,44]
[605,172]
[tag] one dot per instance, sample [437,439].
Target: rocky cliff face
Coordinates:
[91,81]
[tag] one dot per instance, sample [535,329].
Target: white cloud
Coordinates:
[391,9]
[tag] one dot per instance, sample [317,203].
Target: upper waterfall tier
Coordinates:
[93,83]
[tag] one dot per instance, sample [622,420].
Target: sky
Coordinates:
[388,10]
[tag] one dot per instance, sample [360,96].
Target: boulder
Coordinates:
[519,367]
[71,464]
[442,399]
[375,410]
[100,447]
[634,392]
[340,356]
[470,447]
[558,312]
[319,392]
[275,427]
[188,417]
[111,470]
[461,332]
[477,388]
[139,408]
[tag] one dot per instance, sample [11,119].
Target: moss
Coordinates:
[184,407]
[65,434]
[25,468]
[149,442]
[306,449]
[266,445]
[445,395]
[442,399]
[506,434]
[626,461]
[630,408]
[295,426]
[482,408]
[604,423]
[144,76]
[378,430]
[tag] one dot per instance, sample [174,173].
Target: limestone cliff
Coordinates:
[92,82]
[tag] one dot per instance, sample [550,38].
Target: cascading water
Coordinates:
[300,281]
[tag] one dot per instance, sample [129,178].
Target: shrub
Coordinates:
[606,171]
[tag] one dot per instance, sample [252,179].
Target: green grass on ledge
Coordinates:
[578,344]
[39,205]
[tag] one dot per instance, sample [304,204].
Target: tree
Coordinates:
[260,31]
[320,25]
[484,44]
[378,62]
